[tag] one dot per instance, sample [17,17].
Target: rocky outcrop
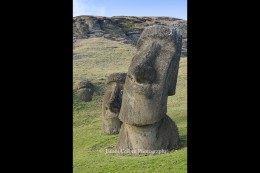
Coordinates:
[126,29]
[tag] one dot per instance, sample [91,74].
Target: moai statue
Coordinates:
[151,78]
[112,103]
[85,90]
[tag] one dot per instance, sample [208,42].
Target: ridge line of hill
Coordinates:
[126,29]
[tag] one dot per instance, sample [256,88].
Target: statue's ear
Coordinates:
[172,90]
[172,80]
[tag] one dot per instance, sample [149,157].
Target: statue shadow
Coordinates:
[183,141]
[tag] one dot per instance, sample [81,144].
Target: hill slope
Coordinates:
[125,29]
[94,59]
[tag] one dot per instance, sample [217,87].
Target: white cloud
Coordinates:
[84,7]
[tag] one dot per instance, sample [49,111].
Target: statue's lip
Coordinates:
[142,88]
[109,114]
[134,81]
[111,111]
[141,85]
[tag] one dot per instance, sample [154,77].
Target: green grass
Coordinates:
[94,59]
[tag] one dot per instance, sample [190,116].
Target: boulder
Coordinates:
[85,90]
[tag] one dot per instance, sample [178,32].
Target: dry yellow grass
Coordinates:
[97,58]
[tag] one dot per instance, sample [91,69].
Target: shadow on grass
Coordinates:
[183,141]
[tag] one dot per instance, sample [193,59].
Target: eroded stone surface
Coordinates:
[160,135]
[112,103]
[85,90]
[126,29]
[151,78]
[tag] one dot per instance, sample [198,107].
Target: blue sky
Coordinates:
[170,8]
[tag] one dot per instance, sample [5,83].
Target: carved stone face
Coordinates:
[112,103]
[152,76]
[113,99]
[85,90]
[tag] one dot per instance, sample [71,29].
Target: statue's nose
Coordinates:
[144,73]
[114,103]
[142,69]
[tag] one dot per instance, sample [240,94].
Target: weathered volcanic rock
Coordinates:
[160,135]
[151,78]
[112,103]
[85,90]
[85,95]
[127,28]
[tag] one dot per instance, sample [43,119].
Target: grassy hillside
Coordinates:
[94,59]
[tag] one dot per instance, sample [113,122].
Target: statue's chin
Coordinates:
[110,114]
[140,112]
[140,104]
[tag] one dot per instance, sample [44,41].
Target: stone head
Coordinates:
[152,76]
[113,93]
[85,90]
[112,102]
